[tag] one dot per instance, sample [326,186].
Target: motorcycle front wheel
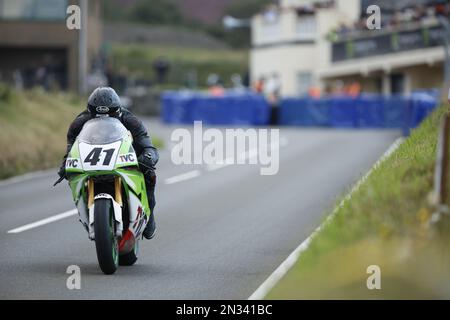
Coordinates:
[106,242]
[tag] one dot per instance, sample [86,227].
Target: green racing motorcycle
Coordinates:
[109,191]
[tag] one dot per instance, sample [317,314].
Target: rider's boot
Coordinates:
[150,228]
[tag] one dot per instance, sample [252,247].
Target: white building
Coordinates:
[293,40]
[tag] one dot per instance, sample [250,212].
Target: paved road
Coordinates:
[221,233]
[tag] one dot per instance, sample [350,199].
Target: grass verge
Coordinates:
[33,129]
[386,223]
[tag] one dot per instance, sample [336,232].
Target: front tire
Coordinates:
[105,239]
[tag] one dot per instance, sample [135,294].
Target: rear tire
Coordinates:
[105,238]
[130,258]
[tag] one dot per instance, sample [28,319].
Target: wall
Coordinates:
[287,61]
[35,35]
[25,37]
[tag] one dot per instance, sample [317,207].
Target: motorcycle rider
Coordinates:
[104,101]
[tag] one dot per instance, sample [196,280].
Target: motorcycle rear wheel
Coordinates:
[106,242]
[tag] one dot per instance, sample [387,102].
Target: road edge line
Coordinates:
[27,176]
[183,177]
[42,222]
[287,264]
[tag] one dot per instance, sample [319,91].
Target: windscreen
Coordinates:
[102,131]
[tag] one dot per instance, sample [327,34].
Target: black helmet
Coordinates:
[104,101]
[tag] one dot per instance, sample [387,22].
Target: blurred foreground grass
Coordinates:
[386,223]
[33,128]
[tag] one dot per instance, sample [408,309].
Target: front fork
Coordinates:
[117,203]
[117,191]
[91,192]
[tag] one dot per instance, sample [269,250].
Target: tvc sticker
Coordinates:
[72,163]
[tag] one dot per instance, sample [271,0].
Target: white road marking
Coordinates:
[45,221]
[183,177]
[243,156]
[29,176]
[287,264]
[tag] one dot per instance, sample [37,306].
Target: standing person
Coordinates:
[273,93]
[259,85]
[18,79]
[161,67]
[236,80]
[215,87]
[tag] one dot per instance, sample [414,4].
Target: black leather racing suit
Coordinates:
[142,144]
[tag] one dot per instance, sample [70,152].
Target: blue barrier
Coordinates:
[395,111]
[343,113]
[244,108]
[231,109]
[365,111]
[370,112]
[306,112]
[176,108]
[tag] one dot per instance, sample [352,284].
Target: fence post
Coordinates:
[441,172]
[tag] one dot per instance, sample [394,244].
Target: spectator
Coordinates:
[353,89]
[41,77]
[161,67]
[246,79]
[236,80]
[18,79]
[259,85]
[273,92]
[424,14]
[314,92]
[273,88]
[215,87]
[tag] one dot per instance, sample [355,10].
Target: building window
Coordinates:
[33,9]
[304,83]
[270,32]
[306,27]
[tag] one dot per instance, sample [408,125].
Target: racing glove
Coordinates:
[147,166]
[61,174]
[62,171]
